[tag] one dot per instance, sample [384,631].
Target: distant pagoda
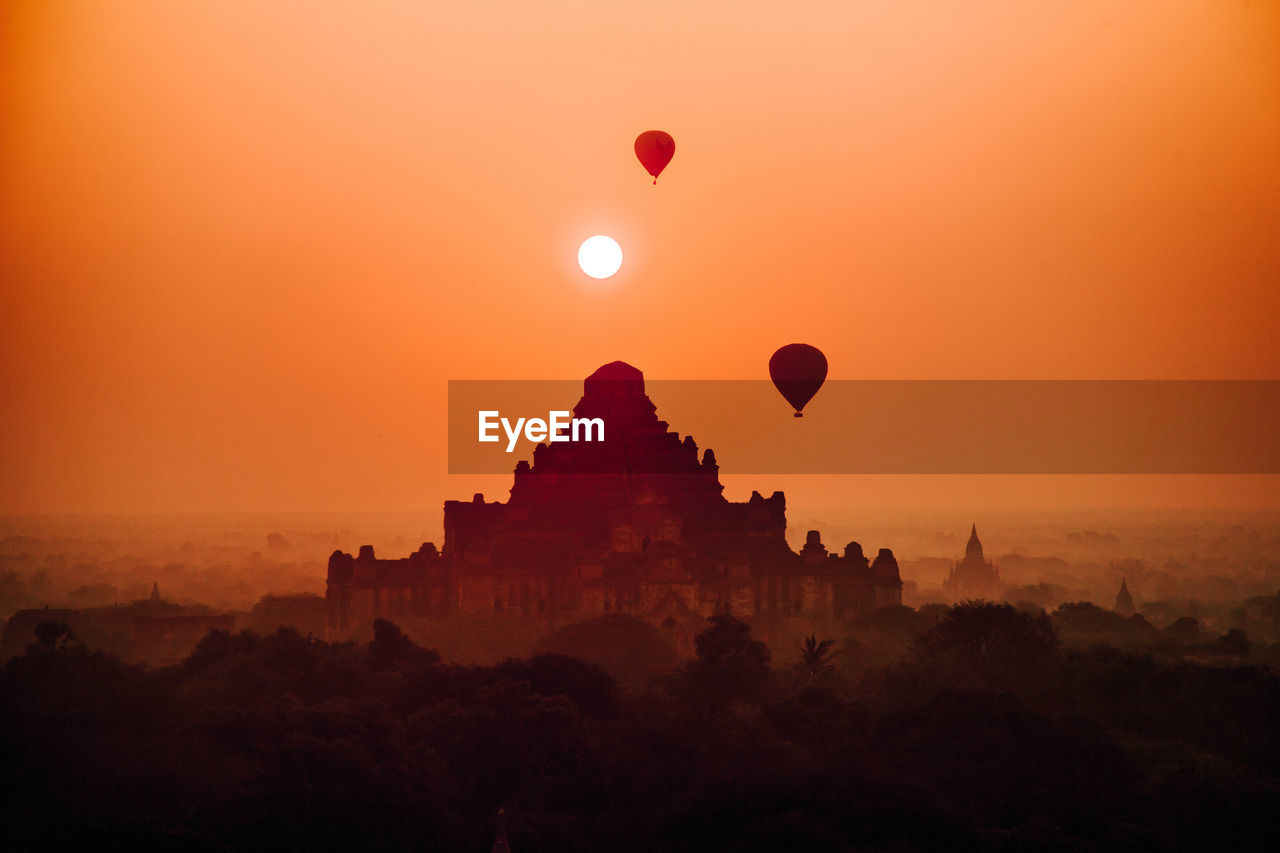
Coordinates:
[975,576]
[500,844]
[1124,601]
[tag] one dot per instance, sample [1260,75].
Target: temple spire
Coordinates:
[1124,601]
[974,547]
[973,577]
[500,840]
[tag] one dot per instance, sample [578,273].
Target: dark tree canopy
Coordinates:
[979,645]
[988,736]
[730,666]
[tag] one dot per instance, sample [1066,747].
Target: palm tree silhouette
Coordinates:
[816,657]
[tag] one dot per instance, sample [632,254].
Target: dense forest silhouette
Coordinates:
[986,733]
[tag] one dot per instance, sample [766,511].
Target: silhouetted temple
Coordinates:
[975,576]
[500,844]
[1124,601]
[635,524]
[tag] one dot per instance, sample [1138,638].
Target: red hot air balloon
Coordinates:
[798,371]
[655,148]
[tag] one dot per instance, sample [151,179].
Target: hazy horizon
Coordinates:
[245,247]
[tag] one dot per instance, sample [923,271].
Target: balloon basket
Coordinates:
[797,415]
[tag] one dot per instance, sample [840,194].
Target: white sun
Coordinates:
[600,256]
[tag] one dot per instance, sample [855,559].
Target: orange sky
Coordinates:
[244,245]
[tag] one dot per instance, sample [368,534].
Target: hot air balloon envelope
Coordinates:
[798,371]
[655,148]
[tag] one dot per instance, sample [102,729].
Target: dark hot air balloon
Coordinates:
[655,148]
[798,371]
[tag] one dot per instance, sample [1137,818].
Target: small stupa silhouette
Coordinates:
[155,591]
[500,840]
[1124,601]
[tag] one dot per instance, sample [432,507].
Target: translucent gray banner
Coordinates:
[878,427]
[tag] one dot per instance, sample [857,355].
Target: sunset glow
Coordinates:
[224,223]
[680,425]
